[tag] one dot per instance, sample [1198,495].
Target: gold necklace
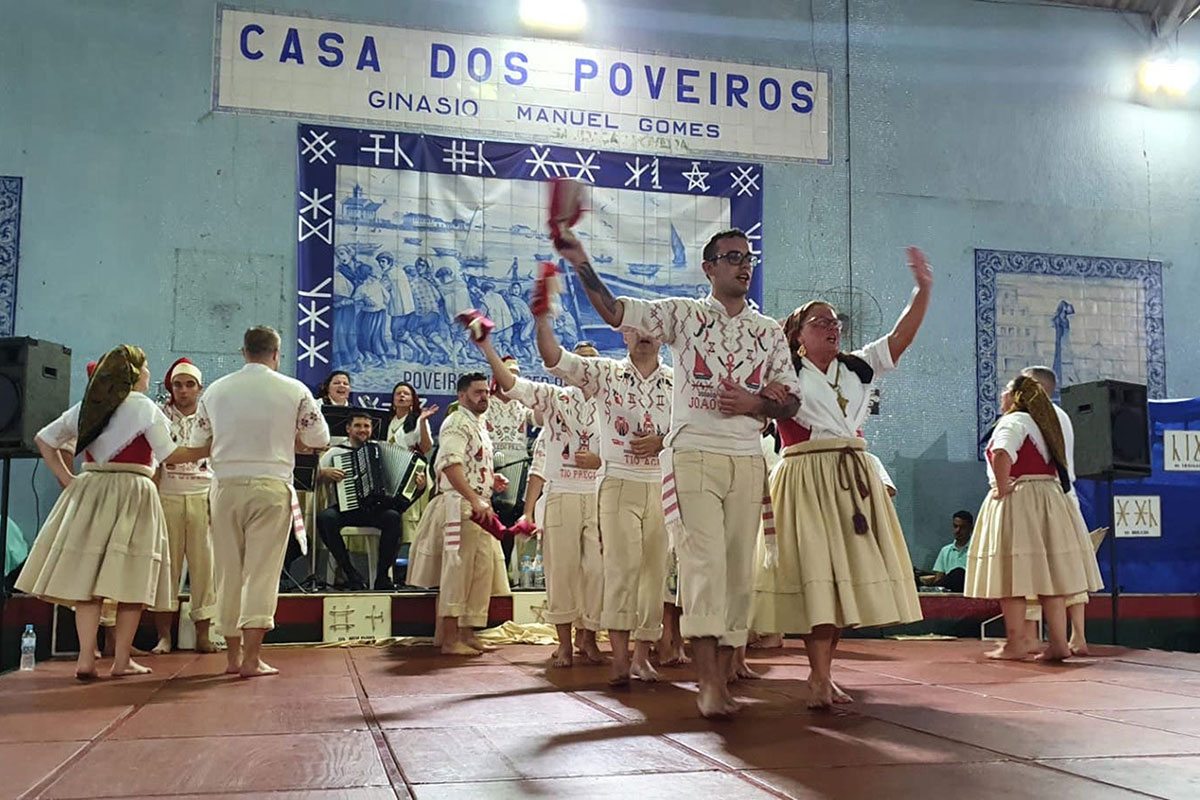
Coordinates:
[841,399]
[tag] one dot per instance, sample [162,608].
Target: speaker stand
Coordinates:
[1115,589]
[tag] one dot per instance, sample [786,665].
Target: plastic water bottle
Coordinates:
[28,648]
[526,572]
[539,573]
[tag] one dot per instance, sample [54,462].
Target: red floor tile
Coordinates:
[23,766]
[224,764]
[294,662]
[642,787]
[362,793]
[823,740]
[232,689]
[1085,695]
[442,755]
[294,715]
[972,781]
[34,719]
[1175,720]
[1046,734]
[461,680]
[457,710]
[666,702]
[879,701]
[1172,778]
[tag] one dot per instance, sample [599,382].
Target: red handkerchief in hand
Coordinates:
[566,207]
[494,526]
[477,325]
[523,527]
[546,290]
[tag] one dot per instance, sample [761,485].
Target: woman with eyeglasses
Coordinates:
[841,557]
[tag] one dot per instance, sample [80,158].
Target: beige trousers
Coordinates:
[187,534]
[466,586]
[720,503]
[572,561]
[634,535]
[251,523]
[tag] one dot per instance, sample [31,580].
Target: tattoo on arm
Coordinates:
[591,281]
[784,410]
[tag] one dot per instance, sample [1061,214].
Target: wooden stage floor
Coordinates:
[931,720]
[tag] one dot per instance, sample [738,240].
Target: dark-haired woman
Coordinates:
[409,425]
[106,537]
[335,390]
[842,559]
[1027,540]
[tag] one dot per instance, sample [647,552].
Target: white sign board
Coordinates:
[1137,516]
[353,617]
[1181,451]
[547,91]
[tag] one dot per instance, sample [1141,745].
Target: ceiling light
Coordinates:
[560,16]
[1174,76]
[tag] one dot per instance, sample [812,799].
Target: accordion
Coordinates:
[379,476]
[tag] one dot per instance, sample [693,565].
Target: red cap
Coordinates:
[91,368]
[182,366]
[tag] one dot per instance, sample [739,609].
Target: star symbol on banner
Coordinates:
[318,290]
[322,230]
[696,178]
[541,161]
[585,167]
[312,316]
[318,146]
[312,351]
[637,169]
[754,234]
[744,181]
[316,203]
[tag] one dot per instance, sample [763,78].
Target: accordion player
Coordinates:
[378,475]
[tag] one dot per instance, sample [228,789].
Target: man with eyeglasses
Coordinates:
[713,472]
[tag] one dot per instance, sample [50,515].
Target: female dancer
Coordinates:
[106,537]
[842,559]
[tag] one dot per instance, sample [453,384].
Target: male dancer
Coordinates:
[633,399]
[183,489]
[714,476]
[571,542]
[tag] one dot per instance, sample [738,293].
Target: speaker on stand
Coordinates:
[1112,440]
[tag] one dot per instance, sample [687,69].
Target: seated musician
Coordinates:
[331,520]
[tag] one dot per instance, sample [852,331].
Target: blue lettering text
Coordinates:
[247,53]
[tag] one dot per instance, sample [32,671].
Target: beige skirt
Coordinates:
[828,572]
[106,538]
[1028,544]
[425,553]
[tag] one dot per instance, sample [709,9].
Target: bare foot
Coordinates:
[820,693]
[711,703]
[481,646]
[257,670]
[592,654]
[85,669]
[205,645]
[674,658]
[130,668]
[562,656]
[459,649]
[233,669]
[1006,653]
[644,671]
[1054,654]
[619,676]
[86,676]
[742,670]
[839,696]
[1079,648]
[163,647]
[770,641]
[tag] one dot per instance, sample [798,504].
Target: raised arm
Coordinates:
[503,376]
[547,342]
[608,307]
[909,323]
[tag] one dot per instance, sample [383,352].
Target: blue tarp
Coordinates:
[1167,565]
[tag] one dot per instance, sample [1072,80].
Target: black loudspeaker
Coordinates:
[35,388]
[1112,429]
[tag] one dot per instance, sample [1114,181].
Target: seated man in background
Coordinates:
[331,520]
[950,568]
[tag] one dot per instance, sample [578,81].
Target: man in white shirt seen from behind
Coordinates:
[249,423]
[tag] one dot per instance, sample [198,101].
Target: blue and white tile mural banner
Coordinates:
[10,250]
[1089,318]
[399,232]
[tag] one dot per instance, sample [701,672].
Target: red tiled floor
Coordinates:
[1171,778]
[276,715]
[22,766]
[362,793]
[354,722]
[224,764]
[823,740]
[663,786]
[436,755]
[976,781]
